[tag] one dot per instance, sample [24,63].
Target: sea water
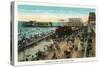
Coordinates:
[31,31]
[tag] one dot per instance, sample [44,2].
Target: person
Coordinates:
[26,59]
[67,53]
[54,56]
[32,56]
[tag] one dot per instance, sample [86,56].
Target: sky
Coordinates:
[29,9]
[27,12]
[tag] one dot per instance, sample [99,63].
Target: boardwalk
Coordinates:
[60,53]
[75,45]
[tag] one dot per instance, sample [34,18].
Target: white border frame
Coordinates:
[47,61]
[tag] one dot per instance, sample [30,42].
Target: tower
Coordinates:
[92,17]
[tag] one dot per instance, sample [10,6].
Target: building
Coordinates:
[74,22]
[92,17]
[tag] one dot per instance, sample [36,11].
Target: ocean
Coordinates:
[31,31]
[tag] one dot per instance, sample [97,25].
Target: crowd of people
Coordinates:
[24,42]
[80,41]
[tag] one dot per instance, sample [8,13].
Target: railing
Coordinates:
[35,41]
